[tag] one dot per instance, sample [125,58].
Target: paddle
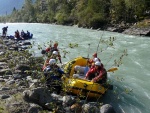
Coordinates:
[112,69]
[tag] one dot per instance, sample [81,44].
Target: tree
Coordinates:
[136,8]
[28,10]
[117,10]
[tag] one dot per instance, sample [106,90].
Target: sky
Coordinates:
[6,6]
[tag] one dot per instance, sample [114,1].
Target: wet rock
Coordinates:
[49,106]
[18,72]
[5,72]
[29,78]
[14,48]
[23,67]
[2,53]
[145,31]
[7,76]
[68,100]
[21,83]
[57,97]
[34,108]
[39,96]
[34,83]
[10,82]
[76,108]
[1,46]
[5,88]
[91,107]
[4,60]
[4,96]
[2,80]
[25,43]
[17,107]
[17,76]
[23,48]
[107,108]
[8,42]
[3,63]
[68,110]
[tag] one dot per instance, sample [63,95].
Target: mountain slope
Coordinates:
[6,6]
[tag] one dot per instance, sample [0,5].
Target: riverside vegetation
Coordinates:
[22,86]
[112,15]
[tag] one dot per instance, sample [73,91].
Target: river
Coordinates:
[131,92]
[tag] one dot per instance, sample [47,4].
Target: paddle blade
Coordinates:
[112,69]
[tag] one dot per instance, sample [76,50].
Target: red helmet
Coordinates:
[95,54]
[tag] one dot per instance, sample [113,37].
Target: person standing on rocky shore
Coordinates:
[4,31]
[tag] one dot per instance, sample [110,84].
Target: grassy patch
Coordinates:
[144,23]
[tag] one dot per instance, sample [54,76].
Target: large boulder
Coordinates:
[40,96]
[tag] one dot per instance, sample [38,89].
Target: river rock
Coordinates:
[3,63]
[4,96]
[10,82]
[143,31]
[91,107]
[5,72]
[68,100]
[22,67]
[39,96]
[5,88]
[4,60]
[2,80]
[107,108]
[34,108]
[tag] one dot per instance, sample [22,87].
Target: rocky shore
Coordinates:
[141,28]
[143,31]
[23,90]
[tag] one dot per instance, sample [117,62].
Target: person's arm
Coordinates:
[47,49]
[45,63]
[90,61]
[89,72]
[60,71]
[99,76]
[59,57]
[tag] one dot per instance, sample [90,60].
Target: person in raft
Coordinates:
[97,73]
[92,60]
[82,70]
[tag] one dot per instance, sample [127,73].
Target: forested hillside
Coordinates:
[85,13]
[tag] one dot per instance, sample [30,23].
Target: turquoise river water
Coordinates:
[131,92]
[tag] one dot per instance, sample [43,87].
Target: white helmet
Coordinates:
[52,61]
[98,63]
[96,59]
[55,52]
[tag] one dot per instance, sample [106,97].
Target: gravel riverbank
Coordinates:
[22,87]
